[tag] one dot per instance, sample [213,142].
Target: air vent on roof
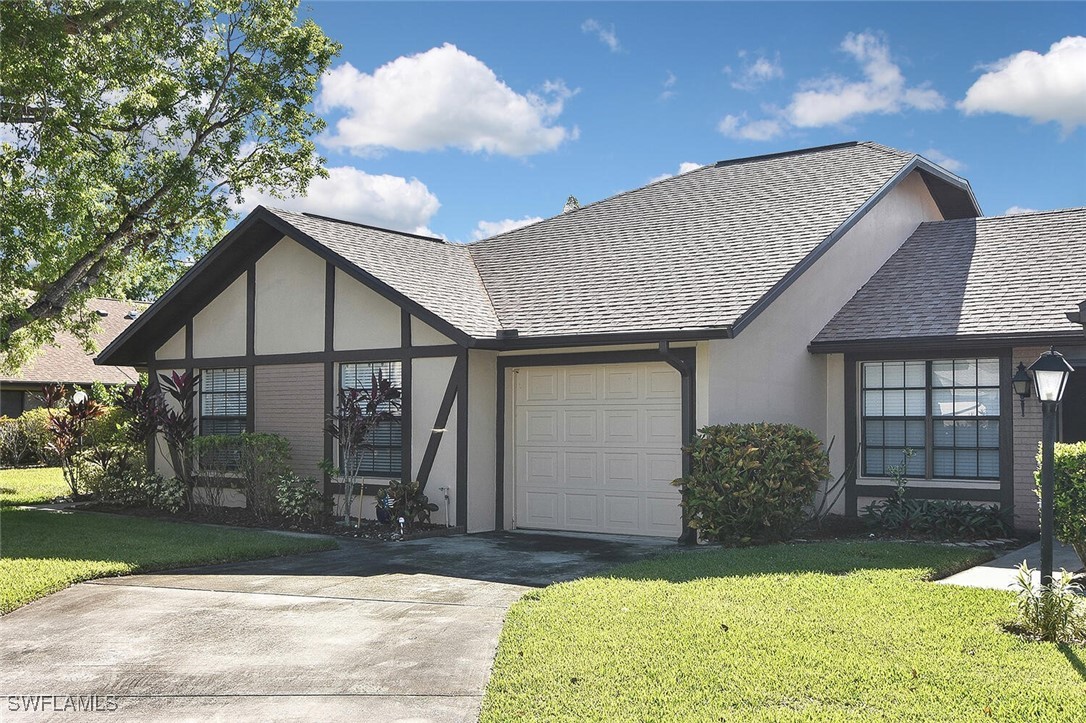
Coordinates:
[101,312]
[132,314]
[507,333]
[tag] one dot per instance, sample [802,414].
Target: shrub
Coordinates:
[1069,503]
[251,462]
[166,494]
[36,426]
[1053,612]
[752,481]
[16,446]
[404,499]
[115,472]
[300,499]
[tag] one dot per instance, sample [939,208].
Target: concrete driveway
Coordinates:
[372,631]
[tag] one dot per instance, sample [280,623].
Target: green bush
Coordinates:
[404,499]
[38,437]
[939,519]
[165,494]
[250,462]
[115,472]
[1069,502]
[300,499]
[1055,612]
[16,446]
[751,482]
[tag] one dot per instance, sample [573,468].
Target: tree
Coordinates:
[129,132]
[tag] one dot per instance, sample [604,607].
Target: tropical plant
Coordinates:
[146,409]
[405,499]
[1055,612]
[358,415]
[752,482]
[67,429]
[299,499]
[178,425]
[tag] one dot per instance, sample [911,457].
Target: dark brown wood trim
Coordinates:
[329,403]
[462,417]
[443,411]
[969,494]
[329,306]
[601,339]
[305,357]
[951,345]
[188,341]
[407,400]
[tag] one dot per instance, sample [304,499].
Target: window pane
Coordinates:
[988,434]
[915,403]
[942,402]
[965,402]
[893,374]
[914,434]
[917,464]
[988,402]
[988,373]
[915,373]
[873,434]
[965,463]
[943,434]
[872,375]
[989,463]
[222,426]
[965,434]
[873,404]
[873,462]
[893,401]
[942,374]
[965,373]
[943,463]
[895,435]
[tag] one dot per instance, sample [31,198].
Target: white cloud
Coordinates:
[1043,88]
[939,158]
[831,100]
[754,74]
[438,99]
[1016,210]
[669,86]
[605,34]
[486,229]
[354,195]
[684,167]
[759,130]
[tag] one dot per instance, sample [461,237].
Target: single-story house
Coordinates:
[552,373]
[66,361]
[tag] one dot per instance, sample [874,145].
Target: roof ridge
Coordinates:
[119,301]
[359,224]
[785,154]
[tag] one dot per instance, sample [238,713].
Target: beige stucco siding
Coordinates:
[422,334]
[290,283]
[766,372]
[364,318]
[289,401]
[219,328]
[174,348]
[429,378]
[482,421]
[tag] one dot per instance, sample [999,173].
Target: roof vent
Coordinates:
[507,333]
[132,314]
[101,312]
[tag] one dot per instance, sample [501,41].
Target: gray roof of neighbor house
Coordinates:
[699,254]
[67,362]
[1003,277]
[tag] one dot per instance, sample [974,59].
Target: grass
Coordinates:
[843,631]
[42,552]
[31,486]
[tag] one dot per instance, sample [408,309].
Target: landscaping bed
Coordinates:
[835,631]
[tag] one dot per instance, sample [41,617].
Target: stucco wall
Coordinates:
[364,318]
[289,401]
[290,284]
[422,334]
[219,328]
[482,421]
[174,348]
[428,381]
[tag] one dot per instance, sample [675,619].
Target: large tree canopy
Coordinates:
[128,132]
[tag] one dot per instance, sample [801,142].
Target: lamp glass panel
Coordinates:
[1049,385]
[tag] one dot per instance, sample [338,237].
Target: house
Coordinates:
[66,361]
[552,373]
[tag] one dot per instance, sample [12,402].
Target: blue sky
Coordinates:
[459,119]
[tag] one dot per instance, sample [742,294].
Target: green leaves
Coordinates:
[751,482]
[1070,500]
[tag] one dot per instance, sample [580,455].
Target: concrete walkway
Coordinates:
[1000,573]
[371,632]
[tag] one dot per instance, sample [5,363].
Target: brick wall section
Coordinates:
[289,401]
[1027,437]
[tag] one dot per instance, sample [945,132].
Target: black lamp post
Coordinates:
[1050,373]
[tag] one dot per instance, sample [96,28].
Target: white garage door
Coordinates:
[596,448]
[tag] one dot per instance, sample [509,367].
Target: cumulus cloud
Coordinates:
[354,195]
[752,74]
[832,99]
[938,157]
[443,98]
[668,91]
[486,229]
[606,34]
[1017,210]
[684,167]
[1043,88]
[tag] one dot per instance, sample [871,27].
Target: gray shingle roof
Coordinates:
[690,252]
[66,361]
[1005,275]
[434,273]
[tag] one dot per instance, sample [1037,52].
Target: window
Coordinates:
[224,401]
[945,411]
[385,455]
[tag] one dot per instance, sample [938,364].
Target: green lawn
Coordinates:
[42,552]
[844,631]
[30,486]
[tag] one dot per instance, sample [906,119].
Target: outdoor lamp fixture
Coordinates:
[79,397]
[1050,373]
[1022,384]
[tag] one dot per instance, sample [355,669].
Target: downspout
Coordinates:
[689,535]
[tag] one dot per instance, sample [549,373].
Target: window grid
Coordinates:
[385,455]
[224,409]
[947,411]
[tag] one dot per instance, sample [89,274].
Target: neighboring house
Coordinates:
[552,373]
[65,361]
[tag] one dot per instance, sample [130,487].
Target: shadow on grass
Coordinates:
[1075,656]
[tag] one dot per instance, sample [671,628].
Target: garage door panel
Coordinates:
[596,448]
